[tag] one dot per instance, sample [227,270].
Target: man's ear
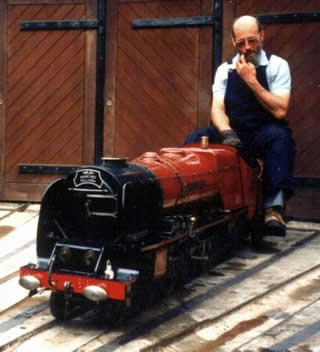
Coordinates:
[233,41]
[262,35]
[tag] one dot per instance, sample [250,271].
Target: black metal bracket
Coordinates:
[47,169]
[100,81]
[300,17]
[289,18]
[58,25]
[99,25]
[175,22]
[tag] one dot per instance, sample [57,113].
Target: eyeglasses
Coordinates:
[250,41]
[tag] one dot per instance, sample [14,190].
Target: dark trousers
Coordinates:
[271,142]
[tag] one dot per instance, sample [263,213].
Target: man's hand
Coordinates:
[277,104]
[246,70]
[230,137]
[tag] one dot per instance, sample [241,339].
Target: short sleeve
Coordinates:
[220,81]
[280,81]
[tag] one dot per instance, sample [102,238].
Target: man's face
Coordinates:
[248,41]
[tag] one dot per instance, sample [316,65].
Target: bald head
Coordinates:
[247,37]
[245,23]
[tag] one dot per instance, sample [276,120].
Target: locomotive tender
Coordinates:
[114,232]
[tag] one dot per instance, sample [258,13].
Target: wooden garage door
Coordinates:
[45,90]
[163,77]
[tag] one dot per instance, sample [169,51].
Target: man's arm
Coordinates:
[221,122]
[218,116]
[277,104]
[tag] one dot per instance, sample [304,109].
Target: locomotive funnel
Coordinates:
[114,161]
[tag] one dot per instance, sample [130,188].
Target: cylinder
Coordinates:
[204,142]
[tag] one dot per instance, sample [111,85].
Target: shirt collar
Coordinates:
[262,59]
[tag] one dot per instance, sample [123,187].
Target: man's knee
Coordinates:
[276,138]
[276,131]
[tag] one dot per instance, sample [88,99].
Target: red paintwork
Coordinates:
[191,173]
[186,175]
[114,289]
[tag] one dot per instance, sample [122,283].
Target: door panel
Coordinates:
[159,81]
[46,87]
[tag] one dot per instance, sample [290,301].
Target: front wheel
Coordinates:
[60,307]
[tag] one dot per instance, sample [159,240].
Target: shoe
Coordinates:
[274,223]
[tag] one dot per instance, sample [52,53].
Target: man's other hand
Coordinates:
[230,137]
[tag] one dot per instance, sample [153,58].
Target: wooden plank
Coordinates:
[3,97]
[64,88]
[15,13]
[179,39]
[205,69]
[16,323]
[143,69]
[238,331]
[229,11]
[172,65]
[131,132]
[45,70]
[16,248]
[67,130]
[62,81]
[305,204]
[66,338]
[15,261]
[27,57]
[111,77]
[32,40]
[205,75]
[88,151]
[23,235]
[166,123]
[17,294]
[27,191]
[61,114]
[68,154]
[16,41]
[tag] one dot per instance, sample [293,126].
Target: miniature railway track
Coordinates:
[174,339]
[170,341]
[17,208]
[207,313]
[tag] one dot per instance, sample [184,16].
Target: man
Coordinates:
[251,95]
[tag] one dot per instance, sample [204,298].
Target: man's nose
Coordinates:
[247,45]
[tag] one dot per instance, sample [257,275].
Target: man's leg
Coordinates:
[276,146]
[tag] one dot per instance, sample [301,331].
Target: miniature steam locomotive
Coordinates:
[114,232]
